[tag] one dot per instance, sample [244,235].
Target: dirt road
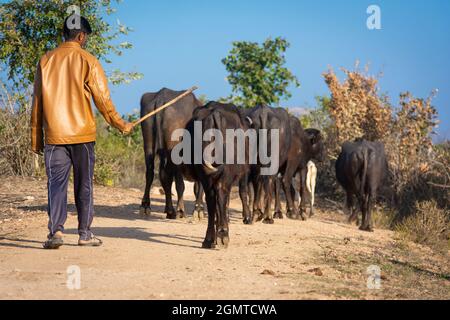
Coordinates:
[153,258]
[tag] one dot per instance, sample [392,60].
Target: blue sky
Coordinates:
[178,44]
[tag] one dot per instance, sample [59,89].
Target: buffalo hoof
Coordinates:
[172,216]
[181,214]
[223,239]
[257,216]
[199,212]
[248,221]
[311,213]
[366,228]
[143,211]
[278,215]
[293,215]
[303,217]
[198,215]
[268,221]
[208,244]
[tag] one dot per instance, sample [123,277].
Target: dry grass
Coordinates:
[16,157]
[430,225]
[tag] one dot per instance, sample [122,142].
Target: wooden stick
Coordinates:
[168,104]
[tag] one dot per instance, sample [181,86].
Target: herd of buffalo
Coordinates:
[360,168]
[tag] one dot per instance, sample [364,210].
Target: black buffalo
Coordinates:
[305,145]
[296,148]
[157,132]
[217,179]
[266,118]
[360,169]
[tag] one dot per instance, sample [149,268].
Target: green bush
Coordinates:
[119,159]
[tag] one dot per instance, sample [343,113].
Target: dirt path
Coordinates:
[153,258]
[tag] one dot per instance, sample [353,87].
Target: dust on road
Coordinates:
[154,258]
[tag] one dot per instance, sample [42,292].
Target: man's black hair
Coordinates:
[72,28]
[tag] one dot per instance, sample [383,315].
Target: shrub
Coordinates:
[383,217]
[16,157]
[357,109]
[411,153]
[429,225]
[119,159]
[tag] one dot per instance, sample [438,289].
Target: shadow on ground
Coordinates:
[141,234]
[131,211]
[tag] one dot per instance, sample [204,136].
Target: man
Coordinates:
[66,80]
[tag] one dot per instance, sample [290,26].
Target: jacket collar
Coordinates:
[70,44]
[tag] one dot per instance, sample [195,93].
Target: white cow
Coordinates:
[311,177]
[311,184]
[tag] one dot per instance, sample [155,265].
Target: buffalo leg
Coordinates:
[166,177]
[251,199]
[366,221]
[268,190]
[372,197]
[199,209]
[223,195]
[349,205]
[243,193]
[302,190]
[149,175]
[293,194]
[278,214]
[363,203]
[258,190]
[210,238]
[179,185]
[292,213]
[290,196]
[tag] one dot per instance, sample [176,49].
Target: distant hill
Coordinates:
[299,111]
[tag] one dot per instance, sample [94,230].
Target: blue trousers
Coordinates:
[59,160]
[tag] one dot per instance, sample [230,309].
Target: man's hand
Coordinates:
[38,150]
[128,128]
[39,153]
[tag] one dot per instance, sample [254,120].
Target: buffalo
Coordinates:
[157,132]
[217,178]
[360,169]
[296,148]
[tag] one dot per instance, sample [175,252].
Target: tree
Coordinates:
[356,107]
[203,98]
[29,28]
[257,73]
[319,117]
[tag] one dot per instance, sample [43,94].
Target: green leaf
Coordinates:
[30,28]
[257,74]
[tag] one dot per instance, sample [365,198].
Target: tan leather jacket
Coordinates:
[66,80]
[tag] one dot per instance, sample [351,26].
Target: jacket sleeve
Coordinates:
[37,136]
[98,84]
